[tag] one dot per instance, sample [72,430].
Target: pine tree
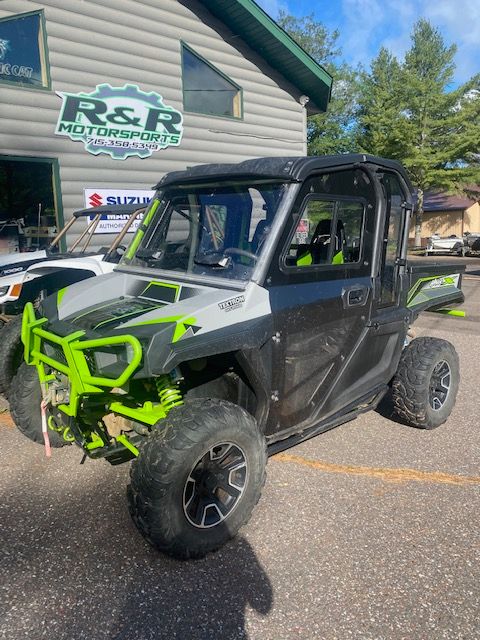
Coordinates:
[434,132]
[380,111]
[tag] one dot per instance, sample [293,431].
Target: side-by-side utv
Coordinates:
[258,305]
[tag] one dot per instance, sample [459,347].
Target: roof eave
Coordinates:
[247,20]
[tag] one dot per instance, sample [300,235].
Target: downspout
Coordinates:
[304,100]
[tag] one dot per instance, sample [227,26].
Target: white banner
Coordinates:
[114,224]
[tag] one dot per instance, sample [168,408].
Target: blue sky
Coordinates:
[366,25]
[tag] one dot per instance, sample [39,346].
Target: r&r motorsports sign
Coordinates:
[121,121]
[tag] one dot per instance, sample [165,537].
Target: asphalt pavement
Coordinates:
[369,531]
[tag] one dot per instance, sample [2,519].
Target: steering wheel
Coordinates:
[240,252]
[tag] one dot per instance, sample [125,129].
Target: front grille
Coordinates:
[54,351]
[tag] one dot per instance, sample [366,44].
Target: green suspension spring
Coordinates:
[168,393]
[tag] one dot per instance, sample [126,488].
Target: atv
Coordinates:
[49,271]
[259,304]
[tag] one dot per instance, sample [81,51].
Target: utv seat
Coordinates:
[318,249]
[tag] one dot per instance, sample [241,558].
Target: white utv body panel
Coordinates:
[95,264]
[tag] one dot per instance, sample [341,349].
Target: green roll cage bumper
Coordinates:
[74,364]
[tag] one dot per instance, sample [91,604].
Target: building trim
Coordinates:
[246,19]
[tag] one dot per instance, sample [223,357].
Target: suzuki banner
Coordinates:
[114,224]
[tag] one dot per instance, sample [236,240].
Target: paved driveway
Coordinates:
[368,531]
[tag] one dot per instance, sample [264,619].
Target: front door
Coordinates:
[321,297]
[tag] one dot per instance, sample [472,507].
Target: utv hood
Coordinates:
[174,321]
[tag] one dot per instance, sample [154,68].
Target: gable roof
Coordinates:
[438,201]
[247,20]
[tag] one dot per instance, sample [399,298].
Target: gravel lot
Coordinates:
[368,531]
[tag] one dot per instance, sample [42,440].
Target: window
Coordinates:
[206,90]
[392,237]
[328,232]
[23,50]
[207,230]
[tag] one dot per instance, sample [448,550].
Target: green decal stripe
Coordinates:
[60,294]
[110,303]
[127,315]
[182,324]
[430,295]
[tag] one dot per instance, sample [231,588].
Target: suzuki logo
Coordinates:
[95,200]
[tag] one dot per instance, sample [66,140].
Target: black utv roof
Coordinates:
[289,169]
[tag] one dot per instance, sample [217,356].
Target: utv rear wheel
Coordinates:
[197,477]
[25,397]
[11,352]
[426,383]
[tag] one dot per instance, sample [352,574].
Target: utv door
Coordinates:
[321,295]
[389,321]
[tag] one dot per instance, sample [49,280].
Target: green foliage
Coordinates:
[401,110]
[312,36]
[407,112]
[380,114]
[331,132]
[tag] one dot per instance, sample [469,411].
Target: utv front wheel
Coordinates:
[25,397]
[197,478]
[426,383]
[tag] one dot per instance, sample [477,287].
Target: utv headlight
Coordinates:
[110,362]
[4,290]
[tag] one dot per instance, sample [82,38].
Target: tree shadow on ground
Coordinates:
[74,563]
[201,599]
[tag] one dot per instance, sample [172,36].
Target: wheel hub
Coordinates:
[215,485]
[440,383]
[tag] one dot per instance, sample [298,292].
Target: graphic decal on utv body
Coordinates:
[233,303]
[432,288]
[112,314]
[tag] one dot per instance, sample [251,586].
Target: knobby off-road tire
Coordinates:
[25,397]
[426,383]
[11,352]
[185,465]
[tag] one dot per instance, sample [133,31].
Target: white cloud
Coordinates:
[362,19]
[460,18]
[366,25]
[460,21]
[370,24]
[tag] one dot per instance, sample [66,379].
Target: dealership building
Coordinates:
[100,99]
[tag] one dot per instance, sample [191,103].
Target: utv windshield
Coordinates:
[214,230]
